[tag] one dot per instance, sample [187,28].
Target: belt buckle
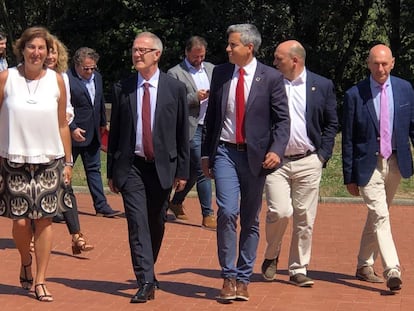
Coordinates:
[240,147]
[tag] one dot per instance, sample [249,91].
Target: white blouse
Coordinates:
[29,126]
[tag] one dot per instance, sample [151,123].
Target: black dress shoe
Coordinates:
[145,292]
[108,212]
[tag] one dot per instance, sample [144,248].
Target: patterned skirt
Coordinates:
[32,190]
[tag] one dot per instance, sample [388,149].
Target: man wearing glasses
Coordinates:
[148,154]
[86,91]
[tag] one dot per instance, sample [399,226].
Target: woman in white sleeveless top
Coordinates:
[35,151]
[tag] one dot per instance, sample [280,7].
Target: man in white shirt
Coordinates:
[196,74]
[294,187]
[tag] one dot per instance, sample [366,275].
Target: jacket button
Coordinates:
[377,153]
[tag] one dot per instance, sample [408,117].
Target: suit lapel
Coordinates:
[396,93]
[369,102]
[133,99]
[256,83]
[188,76]
[226,89]
[310,91]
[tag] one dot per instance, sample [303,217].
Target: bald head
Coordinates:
[290,59]
[380,62]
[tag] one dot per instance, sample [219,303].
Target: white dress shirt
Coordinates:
[228,133]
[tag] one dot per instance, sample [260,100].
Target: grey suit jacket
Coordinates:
[182,73]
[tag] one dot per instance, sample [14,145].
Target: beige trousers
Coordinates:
[293,189]
[378,195]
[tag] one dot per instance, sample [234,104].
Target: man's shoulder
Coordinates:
[180,67]
[169,80]
[400,81]
[317,77]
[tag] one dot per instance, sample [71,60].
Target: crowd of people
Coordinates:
[249,127]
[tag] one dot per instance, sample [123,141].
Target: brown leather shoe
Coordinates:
[178,211]
[367,274]
[241,291]
[394,279]
[228,292]
[209,222]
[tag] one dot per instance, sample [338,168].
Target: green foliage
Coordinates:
[336,34]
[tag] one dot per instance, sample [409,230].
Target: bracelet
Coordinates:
[68,164]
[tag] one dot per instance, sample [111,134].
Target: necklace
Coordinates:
[31,99]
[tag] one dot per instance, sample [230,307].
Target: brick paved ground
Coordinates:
[188,267]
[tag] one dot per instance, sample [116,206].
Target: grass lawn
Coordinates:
[331,184]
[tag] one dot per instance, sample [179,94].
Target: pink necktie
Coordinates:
[146,124]
[385,131]
[240,108]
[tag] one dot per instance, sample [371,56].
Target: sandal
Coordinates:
[44,297]
[79,244]
[25,282]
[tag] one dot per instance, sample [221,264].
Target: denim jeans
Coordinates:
[196,175]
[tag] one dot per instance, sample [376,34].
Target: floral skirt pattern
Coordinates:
[32,190]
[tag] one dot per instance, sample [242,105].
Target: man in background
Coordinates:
[293,189]
[195,73]
[378,123]
[86,93]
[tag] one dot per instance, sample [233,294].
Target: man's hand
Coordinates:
[112,187]
[353,189]
[271,160]
[206,169]
[179,184]
[78,134]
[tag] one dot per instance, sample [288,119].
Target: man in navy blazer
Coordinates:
[240,160]
[294,188]
[369,169]
[86,91]
[145,178]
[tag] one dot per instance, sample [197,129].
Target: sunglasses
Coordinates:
[89,68]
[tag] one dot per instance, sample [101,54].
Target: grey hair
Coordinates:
[248,34]
[157,41]
[84,52]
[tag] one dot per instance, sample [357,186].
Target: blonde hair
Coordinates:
[63,57]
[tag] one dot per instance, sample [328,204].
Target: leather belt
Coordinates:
[295,157]
[144,160]
[238,147]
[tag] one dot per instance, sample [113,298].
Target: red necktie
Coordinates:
[385,133]
[146,124]
[240,108]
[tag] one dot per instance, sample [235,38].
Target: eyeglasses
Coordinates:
[89,68]
[142,51]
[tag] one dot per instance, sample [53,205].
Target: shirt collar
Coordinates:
[153,81]
[192,68]
[301,79]
[375,85]
[249,69]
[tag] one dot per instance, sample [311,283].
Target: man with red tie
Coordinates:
[245,134]
[148,154]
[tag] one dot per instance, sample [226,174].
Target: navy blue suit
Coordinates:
[240,173]
[90,117]
[321,119]
[377,177]
[360,134]
[145,186]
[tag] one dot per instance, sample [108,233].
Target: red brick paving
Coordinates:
[189,273]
